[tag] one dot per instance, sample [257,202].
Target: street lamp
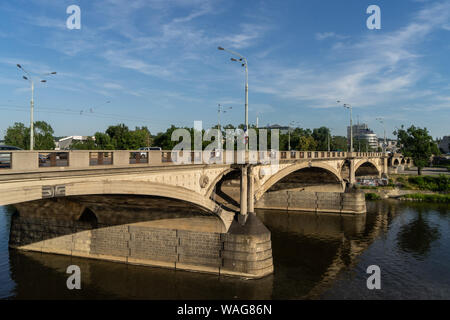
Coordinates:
[289,132]
[28,78]
[384,128]
[221,109]
[329,139]
[243,62]
[346,105]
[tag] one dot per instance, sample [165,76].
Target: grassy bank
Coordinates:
[439,183]
[442,198]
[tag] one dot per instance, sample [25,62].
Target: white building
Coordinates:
[362,132]
[65,143]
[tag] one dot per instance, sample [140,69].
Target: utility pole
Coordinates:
[29,78]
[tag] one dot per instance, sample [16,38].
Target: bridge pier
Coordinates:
[352,179]
[143,231]
[243,195]
[385,165]
[251,190]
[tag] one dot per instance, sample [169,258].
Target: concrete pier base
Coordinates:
[193,243]
[297,200]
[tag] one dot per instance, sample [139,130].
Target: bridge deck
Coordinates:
[12,162]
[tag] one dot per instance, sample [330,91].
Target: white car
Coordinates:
[143,154]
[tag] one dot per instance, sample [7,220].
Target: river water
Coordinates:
[315,257]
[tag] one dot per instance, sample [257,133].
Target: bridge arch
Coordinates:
[125,187]
[370,164]
[278,176]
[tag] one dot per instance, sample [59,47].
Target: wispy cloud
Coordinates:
[326,35]
[368,72]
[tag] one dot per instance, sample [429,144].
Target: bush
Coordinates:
[372,196]
[434,183]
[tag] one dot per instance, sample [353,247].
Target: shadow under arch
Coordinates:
[226,190]
[129,187]
[319,170]
[88,216]
[367,168]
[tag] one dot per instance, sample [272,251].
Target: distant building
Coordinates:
[65,143]
[391,145]
[444,144]
[362,132]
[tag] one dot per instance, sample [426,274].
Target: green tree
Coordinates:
[321,136]
[119,135]
[164,139]
[103,141]
[43,136]
[18,135]
[307,143]
[339,143]
[89,144]
[138,138]
[416,143]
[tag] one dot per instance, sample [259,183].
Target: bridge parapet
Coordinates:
[51,160]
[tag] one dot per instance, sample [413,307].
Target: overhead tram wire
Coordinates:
[77,112]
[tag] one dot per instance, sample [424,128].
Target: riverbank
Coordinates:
[441,198]
[411,188]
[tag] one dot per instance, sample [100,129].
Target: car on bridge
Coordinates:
[5,157]
[144,154]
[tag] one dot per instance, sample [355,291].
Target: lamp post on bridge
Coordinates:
[243,62]
[289,132]
[384,128]
[29,78]
[221,109]
[348,106]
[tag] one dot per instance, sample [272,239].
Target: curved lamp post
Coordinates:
[243,62]
[384,128]
[29,78]
[346,105]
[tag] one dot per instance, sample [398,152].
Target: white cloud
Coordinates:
[326,35]
[370,72]
[113,86]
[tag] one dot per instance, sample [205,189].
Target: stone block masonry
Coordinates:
[245,251]
[296,200]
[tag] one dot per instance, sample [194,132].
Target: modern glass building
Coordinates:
[362,132]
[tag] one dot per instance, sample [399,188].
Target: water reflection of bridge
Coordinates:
[323,244]
[345,238]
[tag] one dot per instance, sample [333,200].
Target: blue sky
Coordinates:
[157,63]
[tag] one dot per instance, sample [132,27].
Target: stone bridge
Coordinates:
[54,191]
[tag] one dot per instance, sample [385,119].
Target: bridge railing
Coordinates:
[45,160]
